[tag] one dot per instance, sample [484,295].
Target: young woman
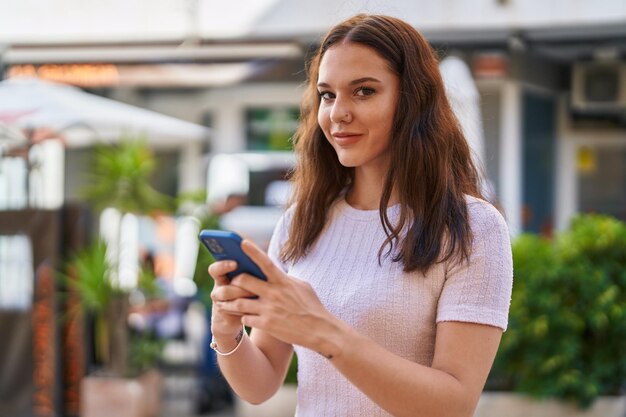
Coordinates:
[389,275]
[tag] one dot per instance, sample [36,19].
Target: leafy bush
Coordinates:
[567,325]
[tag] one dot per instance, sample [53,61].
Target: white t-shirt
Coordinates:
[398,310]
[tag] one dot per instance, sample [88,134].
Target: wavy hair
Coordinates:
[431,166]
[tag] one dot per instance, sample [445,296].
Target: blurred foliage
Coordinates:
[195,202]
[567,326]
[147,283]
[120,178]
[190,199]
[94,286]
[201,275]
[292,371]
[145,352]
[98,294]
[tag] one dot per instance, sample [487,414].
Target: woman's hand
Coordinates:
[286,308]
[224,324]
[258,368]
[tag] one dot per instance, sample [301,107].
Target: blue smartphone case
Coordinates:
[225,245]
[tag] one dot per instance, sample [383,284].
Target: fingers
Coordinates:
[223,290]
[240,306]
[219,269]
[229,292]
[260,258]
[250,284]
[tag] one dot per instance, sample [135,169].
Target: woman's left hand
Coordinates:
[286,308]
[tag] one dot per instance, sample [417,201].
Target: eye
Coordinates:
[364,91]
[326,95]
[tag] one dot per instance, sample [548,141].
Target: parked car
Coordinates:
[249,191]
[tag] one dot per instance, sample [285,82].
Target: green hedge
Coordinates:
[567,324]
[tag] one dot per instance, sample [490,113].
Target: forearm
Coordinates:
[400,386]
[249,372]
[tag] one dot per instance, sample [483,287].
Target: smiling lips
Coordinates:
[346,138]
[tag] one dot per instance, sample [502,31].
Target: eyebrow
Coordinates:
[354,82]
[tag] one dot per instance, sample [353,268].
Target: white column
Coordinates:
[13,175]
[110,220]
[230,131]
[511,156]
[190,175]
[46,179]
[16,273]
[566,176]
[567,189]
[186,255]
[128,258]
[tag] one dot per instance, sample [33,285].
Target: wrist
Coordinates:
[228,346]
[226,339]
[333,342]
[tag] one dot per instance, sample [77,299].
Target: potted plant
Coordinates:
[136,389]
[567,330]
[120,180]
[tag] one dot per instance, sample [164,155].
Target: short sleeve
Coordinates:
[279,237]
[479,290]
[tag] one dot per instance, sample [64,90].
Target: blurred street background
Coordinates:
[126,127]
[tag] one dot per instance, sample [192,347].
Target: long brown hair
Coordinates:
[431,166]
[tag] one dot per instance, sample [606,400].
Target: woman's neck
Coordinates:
[367,189]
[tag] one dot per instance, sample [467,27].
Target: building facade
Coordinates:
[551,77]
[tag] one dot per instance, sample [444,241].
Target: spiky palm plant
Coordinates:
[119,179]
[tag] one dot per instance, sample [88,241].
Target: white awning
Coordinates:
[84,119]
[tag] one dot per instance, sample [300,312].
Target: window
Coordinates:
[271,128]
[16,273]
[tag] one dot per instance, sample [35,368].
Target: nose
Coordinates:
[340,112]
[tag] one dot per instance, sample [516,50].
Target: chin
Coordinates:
[347,160]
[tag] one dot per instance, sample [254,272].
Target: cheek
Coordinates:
[323,120]
[386,119]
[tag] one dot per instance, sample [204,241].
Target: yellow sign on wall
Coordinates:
[586,160]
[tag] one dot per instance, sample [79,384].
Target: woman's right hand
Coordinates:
[224,325]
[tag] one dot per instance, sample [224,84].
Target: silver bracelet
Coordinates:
[238,338]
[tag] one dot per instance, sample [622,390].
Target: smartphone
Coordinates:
[225,245]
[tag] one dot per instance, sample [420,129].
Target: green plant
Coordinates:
[119,179]
[94,288]
[89,274]
[567,327]
[292,371]
[201,275]
[145,351]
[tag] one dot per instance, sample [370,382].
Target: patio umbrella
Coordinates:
[33,110]
[84,119]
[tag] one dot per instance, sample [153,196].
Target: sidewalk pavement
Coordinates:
[178,398]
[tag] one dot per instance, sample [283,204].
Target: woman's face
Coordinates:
[358,99]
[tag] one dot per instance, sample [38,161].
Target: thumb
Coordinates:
[263,261]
